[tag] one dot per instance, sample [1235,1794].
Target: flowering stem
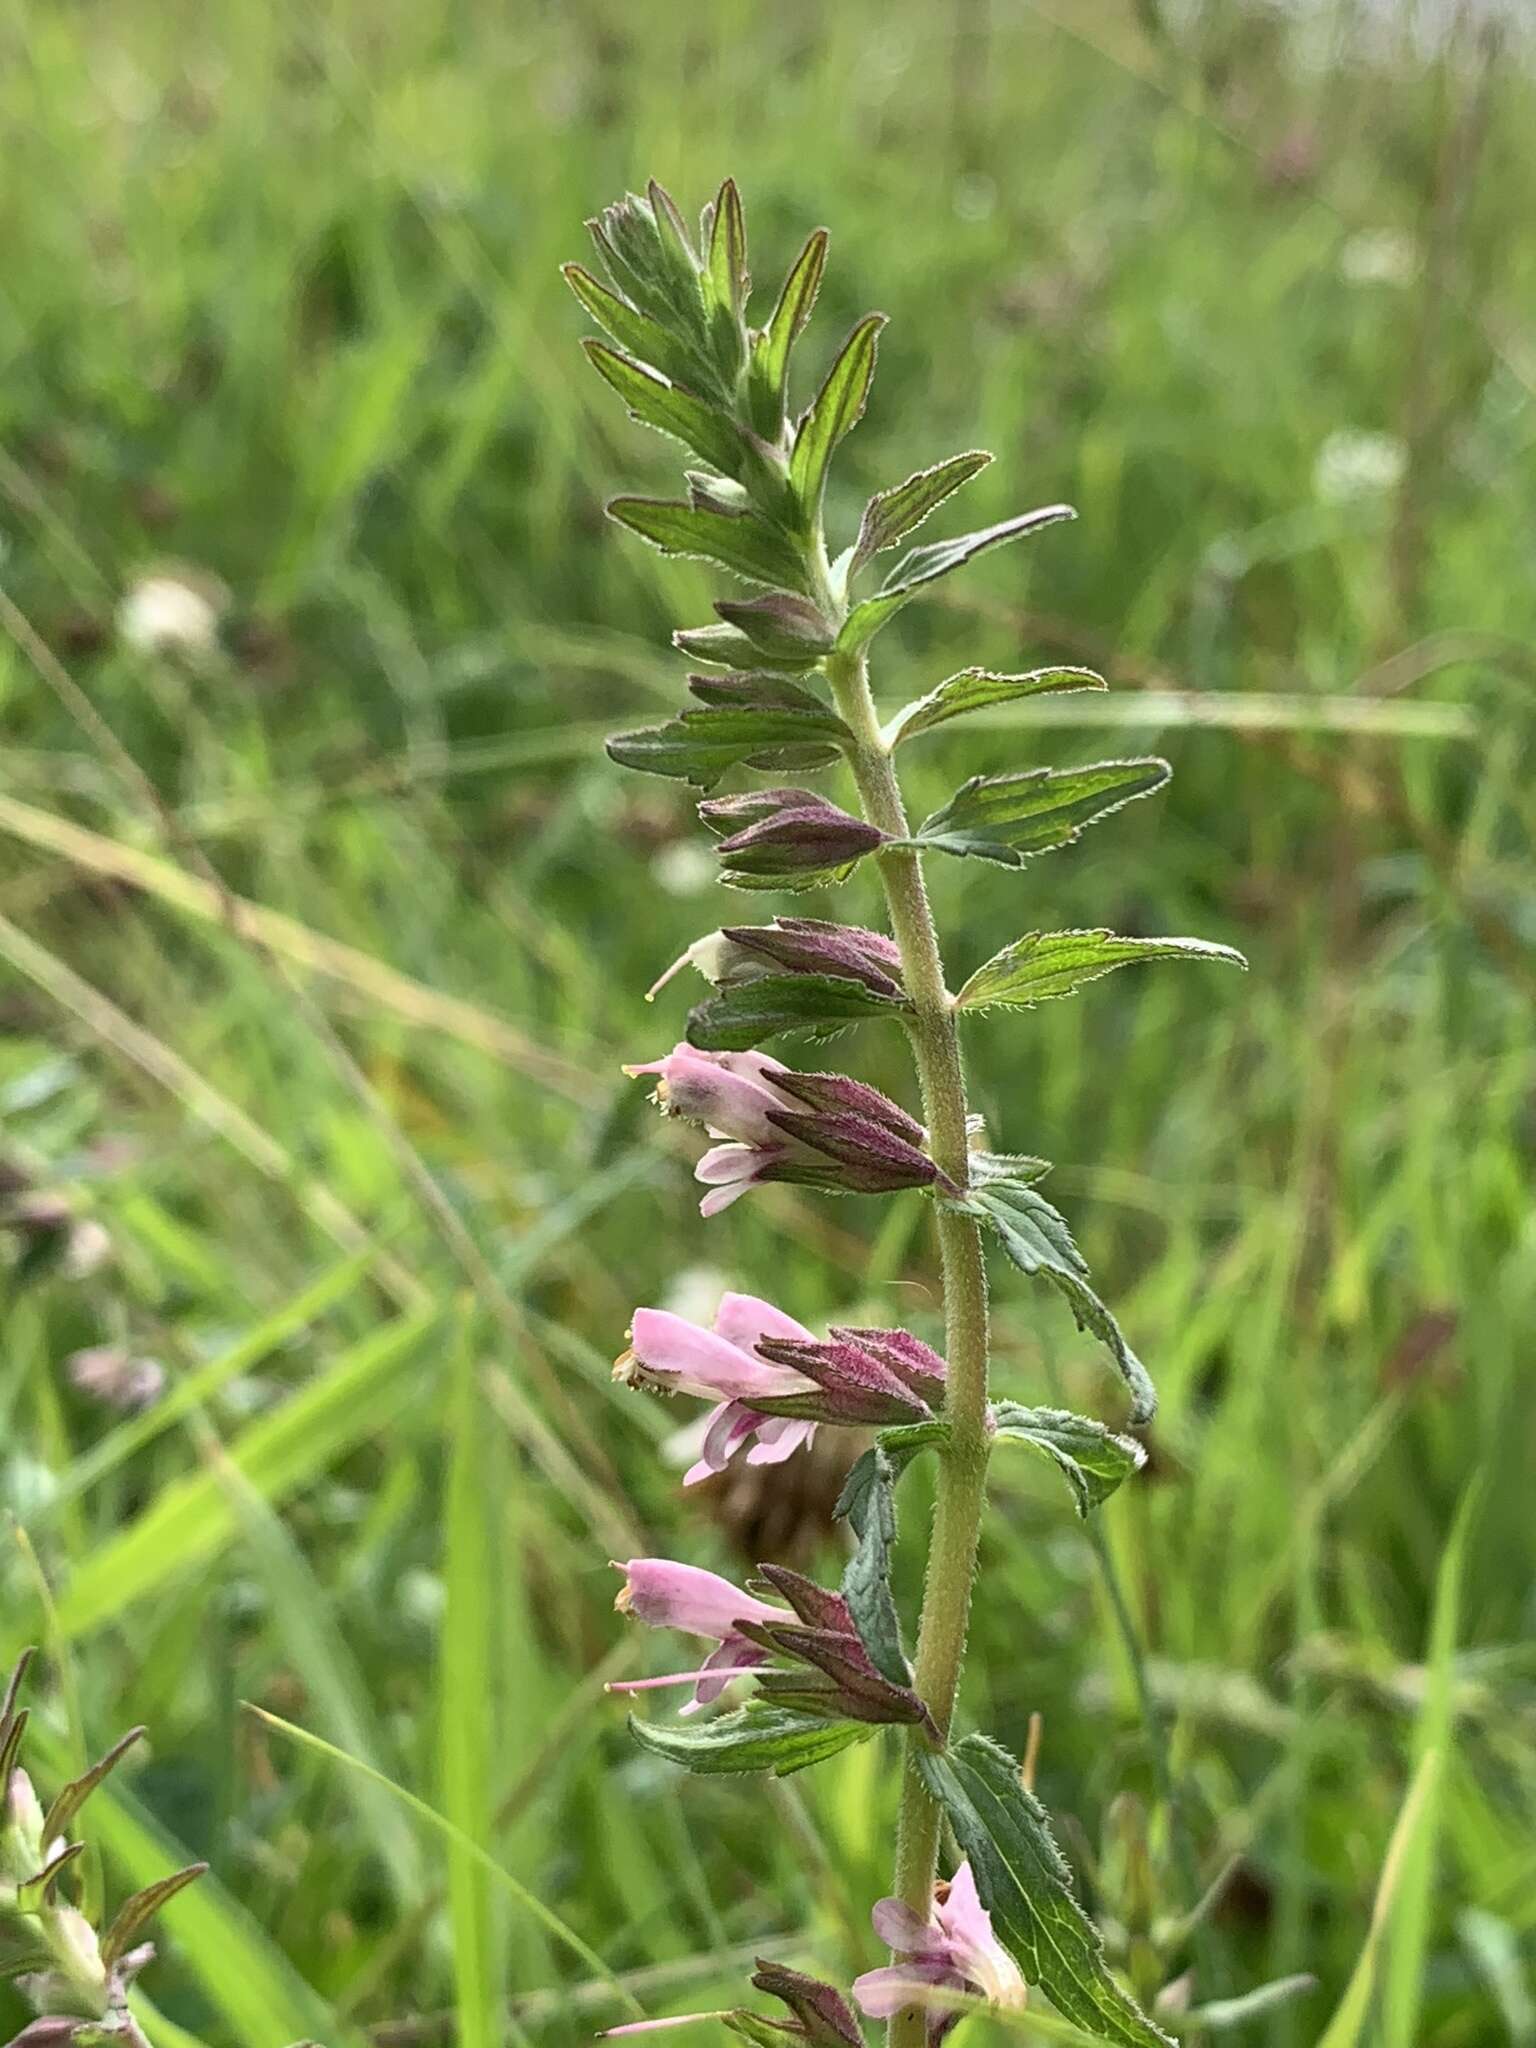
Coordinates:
[963,1459]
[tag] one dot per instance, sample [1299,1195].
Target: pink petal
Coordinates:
[901,1929]
[778,1438]
[700,1362]
[728,1428]
[730,1162]
[743,1320]
[733,1656]
[879,1993]
[665,1594]
[976,1950]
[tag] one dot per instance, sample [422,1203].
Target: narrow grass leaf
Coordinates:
[547,1918]
[466,1732]
[191,1520]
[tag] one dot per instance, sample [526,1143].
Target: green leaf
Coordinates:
[867,1581]
[1009,818]
[1092,1459]
[899,1445]
[980,689]
[745,545]
[701,744]
[636,332]
[1046,964]
[725,240]
[754,1738]
[1027,1888]
[68,1801]
[837,407]
[768,376]
[657,402]
[927,564]
[136,1913]
[742,1016]
[1036,1238]
[891,515]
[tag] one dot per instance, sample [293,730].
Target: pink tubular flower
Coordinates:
[732,1095]
[820,1130]
[954,1949]
[720,1365]
[664,1594]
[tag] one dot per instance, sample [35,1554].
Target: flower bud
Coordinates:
[24,1815]
[854,1382]
[809,945]
[774,833]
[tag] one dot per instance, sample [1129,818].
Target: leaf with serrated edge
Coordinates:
[1010,818]
[1026,1886]
[744,545]
[770,365]
[867,1581]
[980,689]
[925,565]
[837,407]
[635,332]
[1037,1239]
[657,402]
[899,1445]
[1042,965]
[752,1739]
[891,515]
[1092,1459]
[741,1017]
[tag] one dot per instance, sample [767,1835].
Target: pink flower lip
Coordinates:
[955,1948]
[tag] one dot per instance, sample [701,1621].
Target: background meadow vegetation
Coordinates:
[320,950]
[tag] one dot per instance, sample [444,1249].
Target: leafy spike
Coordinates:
[892,514]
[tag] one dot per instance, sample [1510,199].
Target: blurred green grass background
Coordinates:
[321,952]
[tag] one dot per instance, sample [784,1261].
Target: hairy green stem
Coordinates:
[963,1459]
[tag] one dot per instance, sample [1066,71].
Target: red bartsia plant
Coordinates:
[782,688]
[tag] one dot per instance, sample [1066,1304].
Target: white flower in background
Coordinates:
[1378,256]
[110,1374]
[1353,463]
[683,869]
[172,611]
